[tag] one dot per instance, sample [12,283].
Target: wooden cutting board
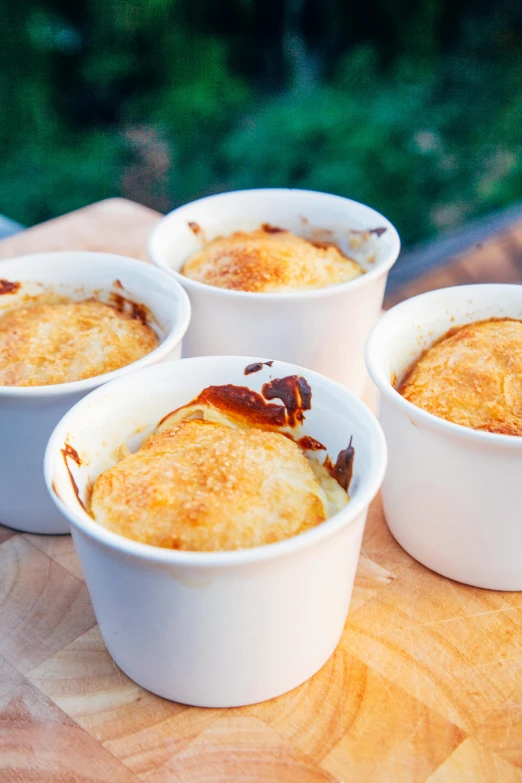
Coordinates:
[426,684]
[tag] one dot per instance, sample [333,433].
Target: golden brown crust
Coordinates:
[46,344]
[269,260]
[201,485]
[472,376]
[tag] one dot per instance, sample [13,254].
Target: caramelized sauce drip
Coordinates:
[307,443]
[295,393]
[253,408]
[342,471]
[195,228]
[69,451]
[256,367]
[135,310]
[268,229]
[7,287]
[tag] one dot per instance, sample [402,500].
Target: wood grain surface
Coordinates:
[426,684]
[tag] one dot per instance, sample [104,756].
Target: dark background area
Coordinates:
[412,107]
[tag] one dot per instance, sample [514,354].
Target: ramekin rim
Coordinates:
[123,546]
[87,384]
[386,388]
[373,273]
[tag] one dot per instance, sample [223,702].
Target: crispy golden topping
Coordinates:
[205,486]
[473,377]
[46,344]
[269,260]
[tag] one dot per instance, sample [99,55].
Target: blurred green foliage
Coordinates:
[412,107]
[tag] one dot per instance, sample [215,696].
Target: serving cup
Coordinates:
[322,329]
[452,495]
[28,415]
[215,629]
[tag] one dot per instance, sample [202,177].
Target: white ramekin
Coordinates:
[221,628]
[324,330]
[452,495]
[28,415]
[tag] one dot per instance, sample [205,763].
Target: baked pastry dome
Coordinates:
[44,344]
[269,260]
[473,377]
[203,485]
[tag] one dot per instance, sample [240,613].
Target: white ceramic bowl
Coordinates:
[28,415]
[215,629]
[324,330]
[452,495]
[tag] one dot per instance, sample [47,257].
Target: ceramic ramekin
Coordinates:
[452,495]
[325,329]
[221,628]
[28,415]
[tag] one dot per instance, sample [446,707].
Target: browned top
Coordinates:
[45,344]
[472,376]
[269,259]
[204,486]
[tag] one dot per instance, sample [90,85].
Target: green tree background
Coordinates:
[413,106]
